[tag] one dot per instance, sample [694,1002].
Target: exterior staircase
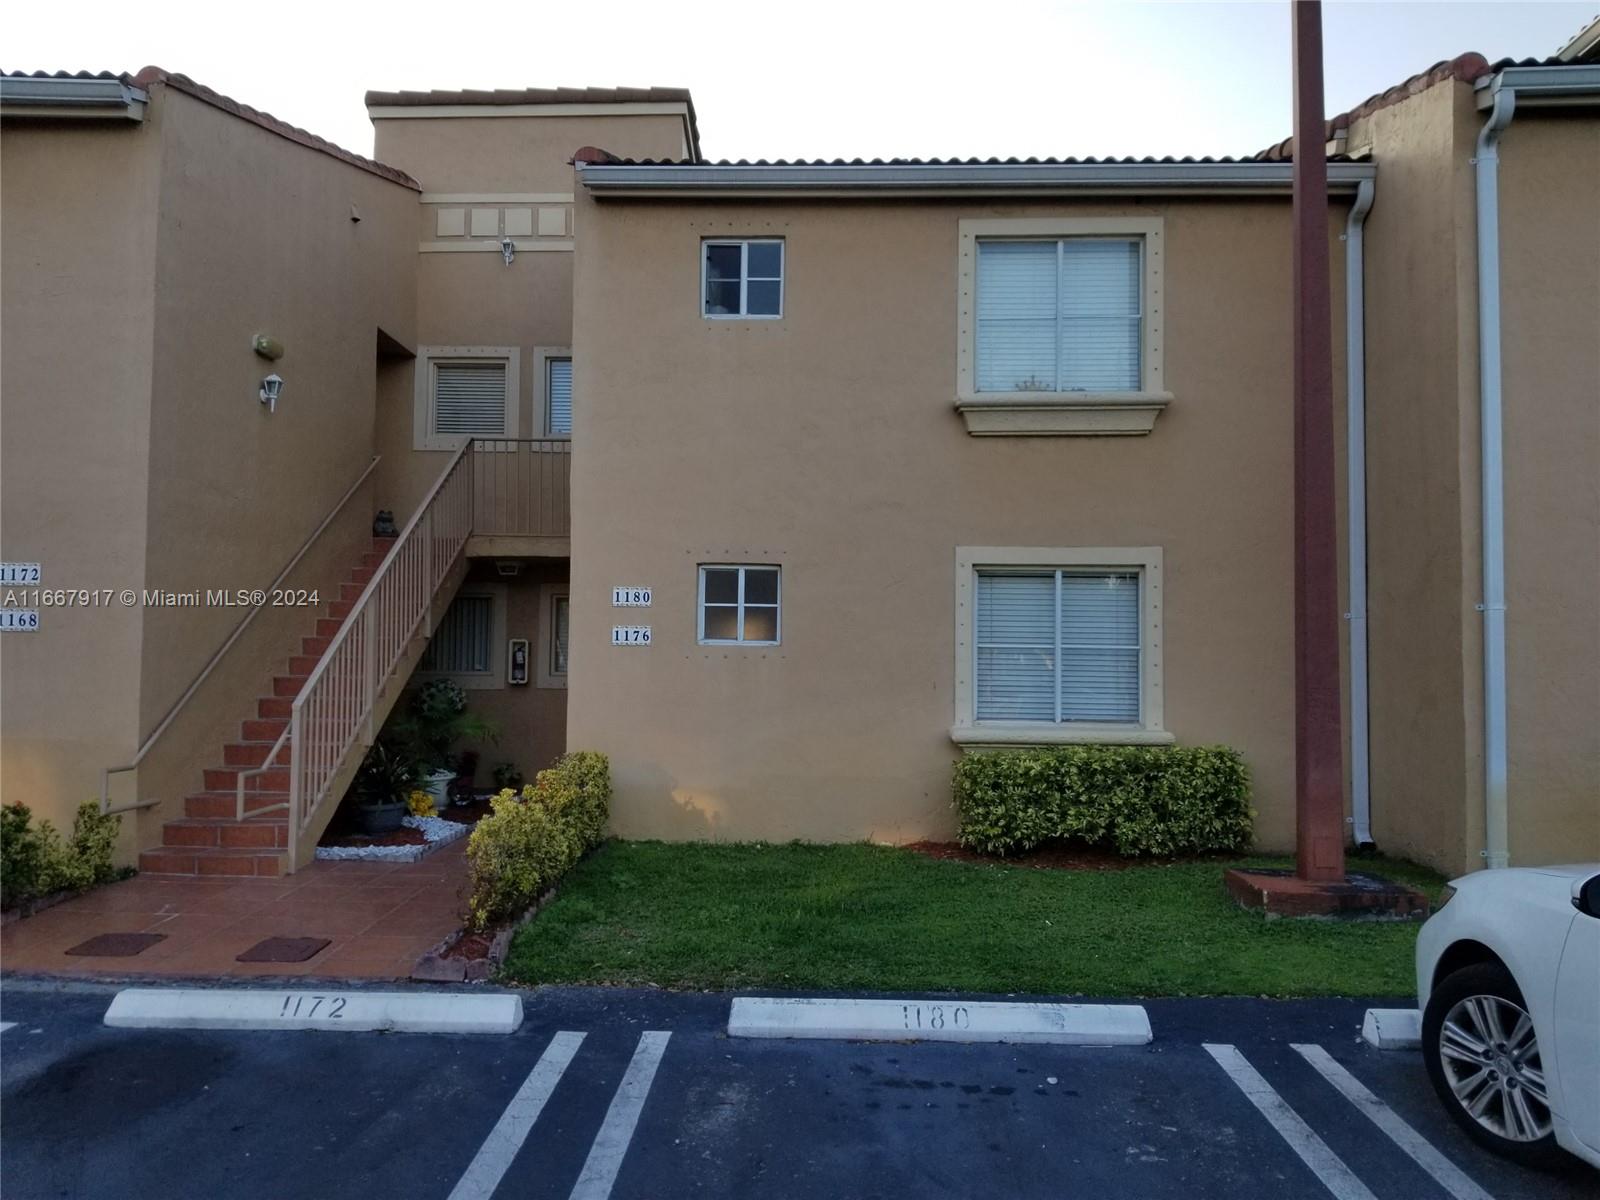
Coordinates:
[210,838]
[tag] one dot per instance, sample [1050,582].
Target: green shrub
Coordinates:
[34,861]
[529,841]
[1139,800]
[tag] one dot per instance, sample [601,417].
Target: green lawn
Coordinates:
[698,915]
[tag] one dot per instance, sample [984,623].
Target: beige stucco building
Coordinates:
[782,484]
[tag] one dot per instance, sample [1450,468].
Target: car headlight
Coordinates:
[1445,895]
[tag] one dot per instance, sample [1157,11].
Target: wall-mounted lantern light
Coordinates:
[508,249]
[270,387]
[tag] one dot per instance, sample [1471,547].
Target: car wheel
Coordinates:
[1483,1058]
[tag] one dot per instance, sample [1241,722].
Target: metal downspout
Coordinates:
[1487,174]
[1356,498]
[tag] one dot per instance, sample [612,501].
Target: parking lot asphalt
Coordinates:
[641,1094]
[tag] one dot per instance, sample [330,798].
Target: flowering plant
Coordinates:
[420,804]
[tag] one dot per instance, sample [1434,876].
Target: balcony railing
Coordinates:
[521,487]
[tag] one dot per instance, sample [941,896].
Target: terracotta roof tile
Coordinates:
[556,95]
[155,75]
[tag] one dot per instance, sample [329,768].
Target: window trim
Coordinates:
[545,674]
[744,243]
[1052,413]
[700,603]
[541,389]
[495,677]
[1149,730]
[423,436]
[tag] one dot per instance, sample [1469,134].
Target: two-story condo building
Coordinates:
[785,484]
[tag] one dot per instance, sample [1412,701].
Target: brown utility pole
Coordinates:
[1319,741]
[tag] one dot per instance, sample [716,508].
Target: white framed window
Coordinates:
[468,643]
[1059,314]
[740,606]
[552,399]
[466,391]
[1060,326]
[555,619]
[741,278]
[1058,645]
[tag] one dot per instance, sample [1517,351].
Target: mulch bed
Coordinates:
[1055,856]
[470,946]
[343,830]
[400,837]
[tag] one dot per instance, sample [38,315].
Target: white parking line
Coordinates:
[1291,1127]
[1444,1172]
[5,1025]
[616,1131]
[487,1168]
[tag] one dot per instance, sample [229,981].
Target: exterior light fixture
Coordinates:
[508,249]
[270,387]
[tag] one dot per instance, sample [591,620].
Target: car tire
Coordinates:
[1475,1000]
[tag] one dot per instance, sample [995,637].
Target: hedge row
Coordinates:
[530,840]
[35,861]
[1139,800]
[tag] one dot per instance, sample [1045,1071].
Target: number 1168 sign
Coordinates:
[630,635]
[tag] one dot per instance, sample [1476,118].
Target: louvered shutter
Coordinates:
[1016,647]
[558,390]
[1099,647]
[1062,315]
[1058,646]
[461,644]
[1100,315]
[469,399]
[1016,316]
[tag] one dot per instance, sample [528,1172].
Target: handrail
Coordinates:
[205,672]
[338,699]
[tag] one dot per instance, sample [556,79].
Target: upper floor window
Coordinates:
[739,605]
[465,391]
[1060,315]
[558,396]
[742,278]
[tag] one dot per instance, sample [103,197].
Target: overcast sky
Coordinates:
[814,78]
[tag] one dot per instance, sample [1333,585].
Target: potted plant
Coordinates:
[507,775]
[383,782]
[438,718]
[466,775]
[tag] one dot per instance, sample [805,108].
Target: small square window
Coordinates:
[739,605]
[742,278]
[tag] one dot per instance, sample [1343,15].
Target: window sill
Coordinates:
[1062,414]
[998,735]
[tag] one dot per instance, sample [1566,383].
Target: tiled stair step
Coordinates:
[209,839]
[253,833]
[212,860]
[253,754]
[223,779]
[220,804]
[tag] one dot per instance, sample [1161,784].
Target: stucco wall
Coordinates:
[1550,306]
[77,223]
[1422,481]
[256,236]
[827,442]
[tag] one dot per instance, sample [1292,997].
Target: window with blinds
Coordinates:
[1058,646]
[558,635]
[558,397]
[463,642]
[469,399]
[1060,315]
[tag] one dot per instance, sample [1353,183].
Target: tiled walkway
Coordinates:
[380,918]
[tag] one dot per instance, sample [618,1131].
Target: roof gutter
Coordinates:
[1502,94]
[961,179]
[71,98]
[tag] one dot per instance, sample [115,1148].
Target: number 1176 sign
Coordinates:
[630,635]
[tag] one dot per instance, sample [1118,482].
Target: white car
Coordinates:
[1508,981]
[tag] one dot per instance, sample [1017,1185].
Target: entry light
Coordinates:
[508,248]
[270,387]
